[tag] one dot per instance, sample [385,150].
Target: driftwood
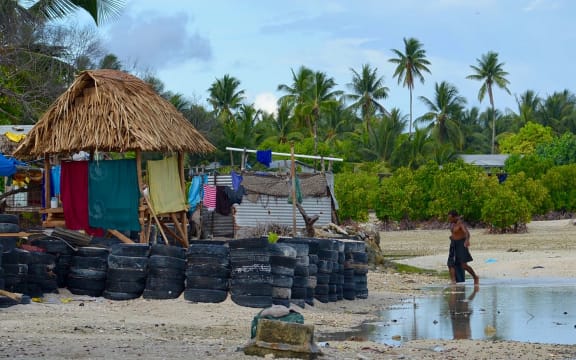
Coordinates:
[14,296]
[309,221]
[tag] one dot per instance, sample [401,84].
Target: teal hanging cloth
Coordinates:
[113,195]
[298,192]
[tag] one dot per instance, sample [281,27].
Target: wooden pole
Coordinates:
[293,177]
[143,238]
[47,180]
[183,219]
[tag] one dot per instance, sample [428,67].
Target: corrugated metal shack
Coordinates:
[266,203]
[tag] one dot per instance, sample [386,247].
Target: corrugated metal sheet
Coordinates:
[277,210]
[266,210]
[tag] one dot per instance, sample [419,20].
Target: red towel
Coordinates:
[74,195]
[210,197]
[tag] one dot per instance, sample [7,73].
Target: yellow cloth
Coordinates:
[14,137]
[166,192]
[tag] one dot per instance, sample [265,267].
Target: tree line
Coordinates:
[38,61]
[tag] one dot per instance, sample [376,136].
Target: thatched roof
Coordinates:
[109,110]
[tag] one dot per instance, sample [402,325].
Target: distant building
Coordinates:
[487,161]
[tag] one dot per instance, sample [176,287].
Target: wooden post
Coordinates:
[143,238]
[183,218]
[293,176]
[47,180]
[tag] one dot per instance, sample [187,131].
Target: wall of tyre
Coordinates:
[250,271]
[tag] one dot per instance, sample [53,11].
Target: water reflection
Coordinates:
[526,310]
[459,310]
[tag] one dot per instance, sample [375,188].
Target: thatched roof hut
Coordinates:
[109,110]
[112,111]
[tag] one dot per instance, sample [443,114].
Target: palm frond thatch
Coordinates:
[110,110]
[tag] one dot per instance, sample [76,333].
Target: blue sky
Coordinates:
[190,44]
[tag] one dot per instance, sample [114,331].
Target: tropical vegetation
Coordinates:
[401,165]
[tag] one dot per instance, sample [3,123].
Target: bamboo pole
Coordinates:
[293,176]
[184,218]
[143,238]
[47,182]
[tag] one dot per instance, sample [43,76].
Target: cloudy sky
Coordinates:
[190,44]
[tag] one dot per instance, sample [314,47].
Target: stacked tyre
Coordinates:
[251,275]
[312,271]
[325,265]
[301,273]
[349,287]
[9,223]
[282,263]
[127,271]
[338,271]
[41,277]
[207,272]
[360,263]
[62,252]
[87,275]
[166,272]
[15,266]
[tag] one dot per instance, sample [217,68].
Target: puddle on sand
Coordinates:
[525,310]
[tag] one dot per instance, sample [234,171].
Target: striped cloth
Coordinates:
[210,197]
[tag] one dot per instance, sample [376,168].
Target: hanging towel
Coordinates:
[113,195]
[264,157]
[166,191]
[223,204]
[298,192]
[235,196]
[74,196]
[55,180]
[236,179]
[195,191]
[210,197]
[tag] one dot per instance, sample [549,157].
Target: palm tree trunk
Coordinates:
[493,128]
[410,126]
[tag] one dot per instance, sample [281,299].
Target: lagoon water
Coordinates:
[525,310]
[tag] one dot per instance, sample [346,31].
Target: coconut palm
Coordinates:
[99,10]
[367,89]
[295,94]
[225,97]
[410,64]
[444,112]
[319,97]
[490,72]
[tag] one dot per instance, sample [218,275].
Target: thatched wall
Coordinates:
[109,110]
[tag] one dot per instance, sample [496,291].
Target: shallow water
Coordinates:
[525,310]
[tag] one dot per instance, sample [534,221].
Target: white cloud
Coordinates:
[266,102]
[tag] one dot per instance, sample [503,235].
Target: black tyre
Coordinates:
[252,290]
[161,294]
[132,287]
[165,250]
[120,296]
[300,281]
[87,273]
[165,284]
[205,295]
[286,261]
[249,243]
[16,256]
[207,282]
[89,262]
[135,275]
[208,250]
[283,281]
[159,261]
[6,227]
[9,219]
[127,262]
[192,259]
[93,293]
[53,245]
[166,273]
[92,251]
[208,270]
[86,283]
[252,301]
[133,250]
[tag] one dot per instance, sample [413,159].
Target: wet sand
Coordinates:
[66,326]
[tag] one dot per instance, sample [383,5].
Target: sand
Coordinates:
[67,326]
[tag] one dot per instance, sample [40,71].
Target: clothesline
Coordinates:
[286,154]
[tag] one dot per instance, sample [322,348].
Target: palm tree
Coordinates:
[295,93]
[490,72]
[99,10]
[225,97]
[319,97]
[444,112]
[367,89]
[409,65]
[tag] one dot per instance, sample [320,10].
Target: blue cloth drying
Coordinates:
[195,192]
[264,157]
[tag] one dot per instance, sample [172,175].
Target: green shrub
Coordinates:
[561,184]
[505,209]
[356,193]
[532,190]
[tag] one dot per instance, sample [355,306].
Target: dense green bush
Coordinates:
[532,190]
[561,150]
[396,195]
[505,209]
[561,184]
[533,166]
[460,187]
[356,194]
